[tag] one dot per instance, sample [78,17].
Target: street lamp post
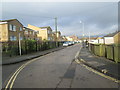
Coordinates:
[82,27]
[19,45]
[83,30]
[89,40]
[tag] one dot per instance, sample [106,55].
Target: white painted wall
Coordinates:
[109,40]
[101,41]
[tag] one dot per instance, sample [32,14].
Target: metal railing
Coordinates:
[12,48]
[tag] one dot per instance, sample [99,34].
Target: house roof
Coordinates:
[91,38]
[112,34]
[57,32]
[7,20]
[10,20]
[30,29]
[45,27]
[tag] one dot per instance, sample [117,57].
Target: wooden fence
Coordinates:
[111,52]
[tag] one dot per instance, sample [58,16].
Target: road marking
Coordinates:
[15,74]
[77,54]
[99,73]
[18,73]
[77,61]
[11,85]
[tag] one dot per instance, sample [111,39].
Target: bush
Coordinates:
[31,45]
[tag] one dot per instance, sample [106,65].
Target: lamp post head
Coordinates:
[80,21]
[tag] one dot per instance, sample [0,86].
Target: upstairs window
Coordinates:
[33,33]
[20,29]
[49,32]
[26,32]
[37,32]
[30,32]
[12,27]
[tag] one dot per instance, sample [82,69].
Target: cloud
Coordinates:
[98,17]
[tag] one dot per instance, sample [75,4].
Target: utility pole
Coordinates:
[56,30]
[56,27]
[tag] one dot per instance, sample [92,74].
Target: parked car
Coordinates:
[66,44]
[73,42]
[70,43]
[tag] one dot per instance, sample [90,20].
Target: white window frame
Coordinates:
[14,28]
[20,28]
[10,27]
[49,32]
[13,38]
[26,31]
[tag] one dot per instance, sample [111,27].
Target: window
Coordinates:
[30,32]
[37,32]
[20,29]
[33,32]
[49,32]
[12,27]
[49,38]
[12,38]
[26,32]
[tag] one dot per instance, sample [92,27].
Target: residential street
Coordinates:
[55,70]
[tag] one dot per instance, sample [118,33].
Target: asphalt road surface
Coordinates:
[54,70]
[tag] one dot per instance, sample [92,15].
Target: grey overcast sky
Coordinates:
[98,17]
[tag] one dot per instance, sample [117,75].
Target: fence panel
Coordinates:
[102,50]
[97,49]
[117,53]
[110,52]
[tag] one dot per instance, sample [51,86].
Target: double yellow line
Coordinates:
[96,72]
[14,76]
[11,81]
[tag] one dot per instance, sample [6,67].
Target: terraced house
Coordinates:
[46,33]
[43,32]
[30,34]
[11,30]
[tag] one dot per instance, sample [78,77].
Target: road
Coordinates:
[54,70]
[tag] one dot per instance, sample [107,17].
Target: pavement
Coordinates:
[100,64]
[17,59]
